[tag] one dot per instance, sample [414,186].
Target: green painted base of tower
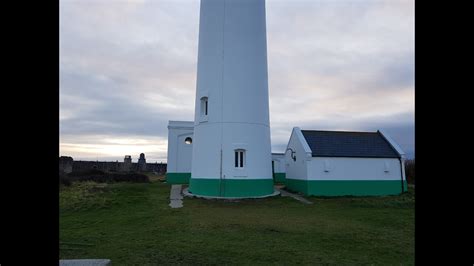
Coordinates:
[178,178]
[231,188]
[346,187]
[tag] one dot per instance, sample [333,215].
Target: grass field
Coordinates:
[131,224]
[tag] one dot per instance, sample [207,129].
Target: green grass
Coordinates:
[131,224]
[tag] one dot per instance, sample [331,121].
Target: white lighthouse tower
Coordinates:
[232,150]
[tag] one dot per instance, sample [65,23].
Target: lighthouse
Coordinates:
[231,156]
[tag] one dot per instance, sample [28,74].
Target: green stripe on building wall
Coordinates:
[178,178]
[231,188]
[280,177]
[345,187]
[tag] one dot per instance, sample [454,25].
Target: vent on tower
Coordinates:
[387,167]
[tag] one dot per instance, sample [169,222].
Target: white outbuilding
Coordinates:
[180,148]
[339,163]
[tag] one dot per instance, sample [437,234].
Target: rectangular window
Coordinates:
[206,108]
[239,158]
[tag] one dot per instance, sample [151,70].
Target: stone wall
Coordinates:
[65,164]
[156,167]
[68,165]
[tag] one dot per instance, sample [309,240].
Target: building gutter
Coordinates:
[401,172]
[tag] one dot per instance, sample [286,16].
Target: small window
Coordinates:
[204,106]
[239,157]
[188,140]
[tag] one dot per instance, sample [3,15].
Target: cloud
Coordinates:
[127,67]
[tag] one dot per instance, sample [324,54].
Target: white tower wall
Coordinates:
[232,75]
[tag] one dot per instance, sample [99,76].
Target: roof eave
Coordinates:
[392,143]
[352,156]
[303,141]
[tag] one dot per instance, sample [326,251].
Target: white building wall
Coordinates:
[342,168]
[297,169]
[179,153]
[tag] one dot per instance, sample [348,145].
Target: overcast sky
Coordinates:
[127,67]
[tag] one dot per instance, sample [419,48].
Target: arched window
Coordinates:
[188,140]
[204,106]
[239,158]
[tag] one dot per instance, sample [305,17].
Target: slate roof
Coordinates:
[349,144]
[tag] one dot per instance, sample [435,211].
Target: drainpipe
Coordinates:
[401,172]
[220,177]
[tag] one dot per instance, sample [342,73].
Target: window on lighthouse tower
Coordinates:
[239,158]
[204,106]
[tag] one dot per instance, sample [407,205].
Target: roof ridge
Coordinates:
[340,131]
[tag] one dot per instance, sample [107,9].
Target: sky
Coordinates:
[127,67]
